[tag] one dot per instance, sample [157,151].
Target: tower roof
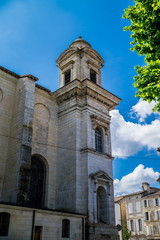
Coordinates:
[80,43]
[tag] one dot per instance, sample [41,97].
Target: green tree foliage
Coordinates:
[145,29]
[126,233]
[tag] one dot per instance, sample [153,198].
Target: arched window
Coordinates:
[65,228]
[4,223]
[37,182]
[102,205]
[98,140]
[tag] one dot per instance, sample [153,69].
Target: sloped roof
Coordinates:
[17,75]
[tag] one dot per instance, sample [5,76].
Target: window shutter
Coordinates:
[130,208]
[143,203]
[148,230]
[154,202]
[158,214]
[151,203]
[138,207]
[144,216]
[149,215]
[159,229]
[147,202]
[155,215]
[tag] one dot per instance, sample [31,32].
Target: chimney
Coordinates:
[146,187]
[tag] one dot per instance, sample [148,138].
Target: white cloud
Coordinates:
[128,138]
[133,181]
[143,109]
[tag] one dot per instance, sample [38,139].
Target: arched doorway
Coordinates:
[37,182]
[102,205]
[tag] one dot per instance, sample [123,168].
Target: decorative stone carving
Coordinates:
[101,179]
[68,65]
[97,121]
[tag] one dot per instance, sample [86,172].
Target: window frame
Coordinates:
[156,202]
[98,140]
[93,76]
[145,203]
[140,225]
[132,225]
[130,208]
[4,224]
[147,216]
[67,76]
[65,228]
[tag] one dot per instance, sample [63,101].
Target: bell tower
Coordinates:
[80,61]
[84,164]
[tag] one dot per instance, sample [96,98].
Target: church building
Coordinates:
[56,178]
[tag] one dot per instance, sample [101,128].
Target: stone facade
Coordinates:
[51,157]
[140,211]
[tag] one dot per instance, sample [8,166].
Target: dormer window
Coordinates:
[93,76]
[67,77]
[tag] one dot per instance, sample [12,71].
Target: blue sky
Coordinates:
[35,32]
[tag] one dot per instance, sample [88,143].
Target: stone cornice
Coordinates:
[29,76]
[68,64]
[91,63]
[92,150]
[101,175]
[74,50]
[86,89]
[98,121]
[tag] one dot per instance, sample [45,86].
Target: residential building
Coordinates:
[140,212]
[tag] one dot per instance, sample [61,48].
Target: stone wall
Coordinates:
[21,219]
[44,143]
[7,97]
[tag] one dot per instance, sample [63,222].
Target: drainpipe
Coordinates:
[33,221]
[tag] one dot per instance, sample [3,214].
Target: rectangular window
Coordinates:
[130,208]
[140,224]
[147,216]
[93,76]
[138,207]
[4,223]
[65,228]
[145,203]
[156,202]
[67,76]
[132,225]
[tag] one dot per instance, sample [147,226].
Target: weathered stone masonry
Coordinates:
[50,151]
